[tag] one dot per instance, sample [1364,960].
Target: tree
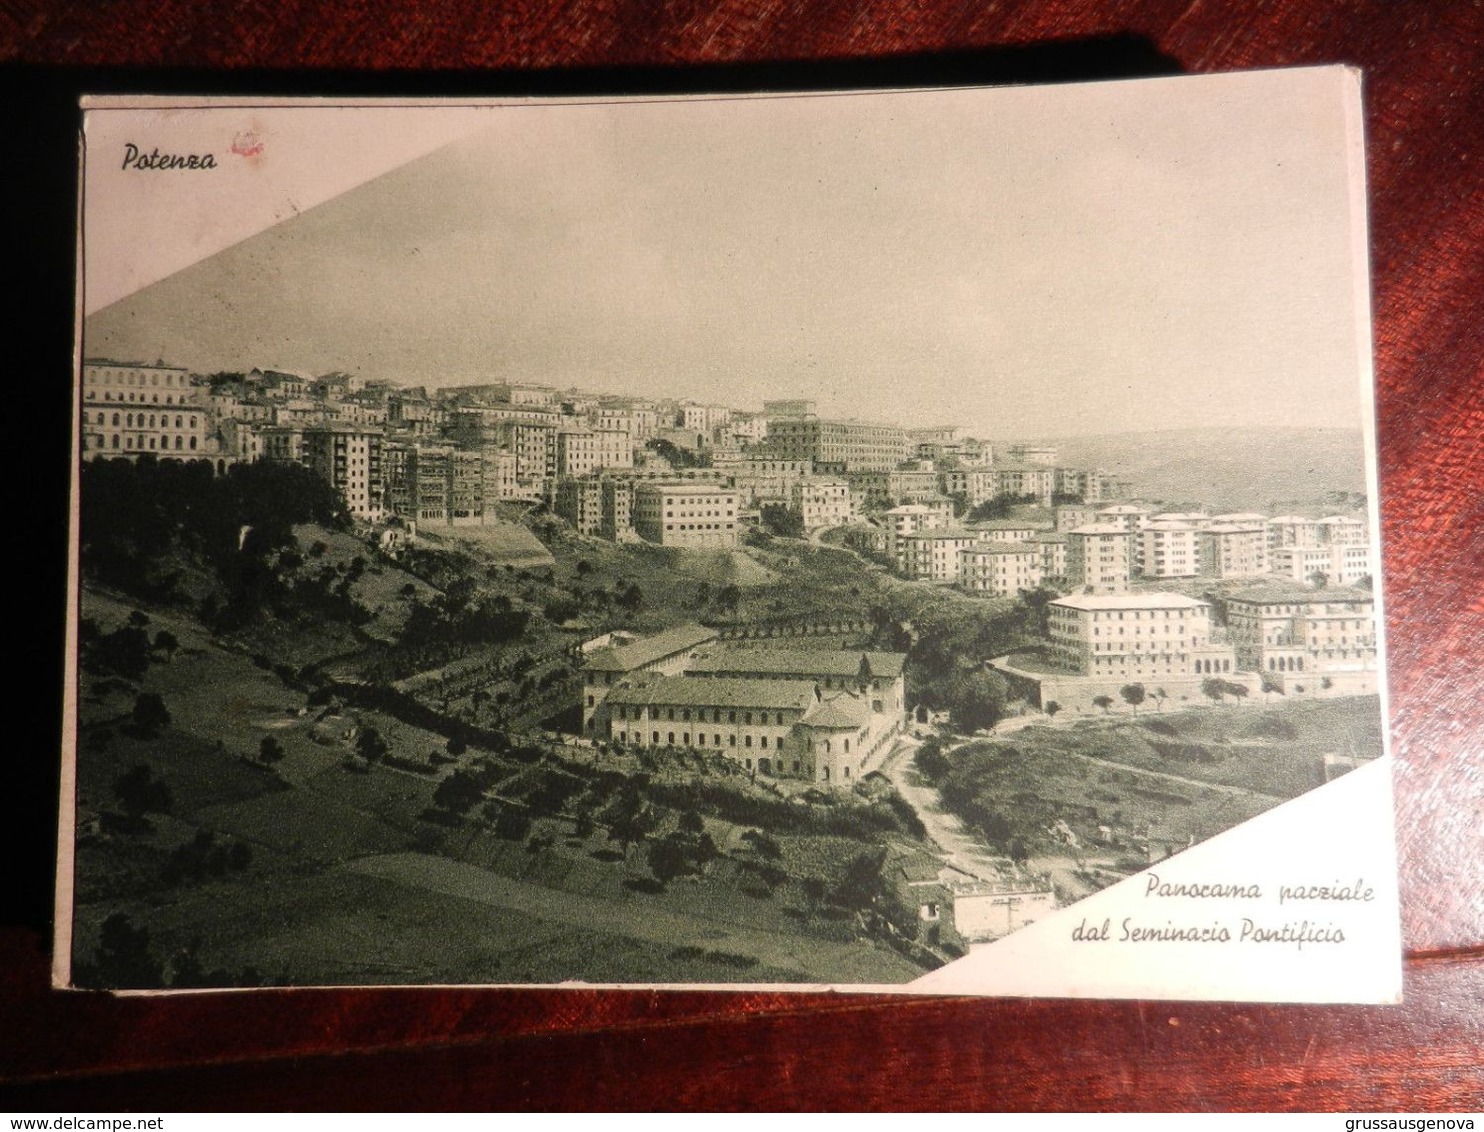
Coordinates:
[458,792]
[124,959]
[167,643]
[782,520]
[1270,684]
[270,750]
[140,793]
[975,700]
[1237,691]
[150,715]
[1051,708]
[1319,579]
[371,746]
[1213,689]
[1160,696]
[1104,702]
[931,760]
[632,598]
[1133,695]
[669,857]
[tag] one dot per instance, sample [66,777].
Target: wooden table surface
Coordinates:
[548,1049]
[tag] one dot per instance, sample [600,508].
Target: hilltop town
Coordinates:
[772,650]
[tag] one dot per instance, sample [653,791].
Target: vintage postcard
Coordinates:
[917,540]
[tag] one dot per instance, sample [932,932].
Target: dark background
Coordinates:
[550,1049]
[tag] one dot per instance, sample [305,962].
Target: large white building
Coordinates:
[679,514]
[130,409]
[1321,639]
[1233,549]
[1000,569]
[820,715]
[1167,549]
[1139,636]
[1099,557]
[822,501]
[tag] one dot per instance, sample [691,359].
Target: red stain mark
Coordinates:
[247,144]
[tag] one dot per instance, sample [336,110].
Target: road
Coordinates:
[960,847]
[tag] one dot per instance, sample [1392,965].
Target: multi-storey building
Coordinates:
[933,555]
[1167,550]
[1135,635]
[1053,548]
[1004,530]
[1036,480]
[838,446]
[822,501]
[1000,569]
[1233,550]
[348,458]
[129,409]
[582,451]
[417,480]
[579,500]
[763,479]
[639,421]
[1033,454]
[1099,557]
[877,675]
[1344,564]
[702,418]
[617,502]
[799,713]
[1129,516]
[1342,530]
[1321,639]
[678,514]
[664,654]
[909,519]
[975,485]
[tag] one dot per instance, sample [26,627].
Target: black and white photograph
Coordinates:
[784,540]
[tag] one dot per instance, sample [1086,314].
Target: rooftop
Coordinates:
[1130,601]
[724,659]
[716,691]
[839,711]
[626,658]
[1300,595]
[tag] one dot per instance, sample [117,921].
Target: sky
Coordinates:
[1047,261]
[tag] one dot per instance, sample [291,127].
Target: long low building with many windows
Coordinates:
[778,728]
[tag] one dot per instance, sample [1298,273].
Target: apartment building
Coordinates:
[822,502]
[1232,550]
[1167,549]
[693,515]
[1139,636]
[838,446]
[580,452]
[348,458]
[1321,639]
[1000,569]
[1343,564]
[129,409]
[1099,557]
[933,555]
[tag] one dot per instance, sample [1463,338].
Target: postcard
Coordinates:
[919,540]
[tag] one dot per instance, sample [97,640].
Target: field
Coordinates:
[319,867]
[1100,798]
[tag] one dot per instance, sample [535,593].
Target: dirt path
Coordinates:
[1218,787]
[960,847]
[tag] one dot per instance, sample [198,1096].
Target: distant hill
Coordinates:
[1228,469]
